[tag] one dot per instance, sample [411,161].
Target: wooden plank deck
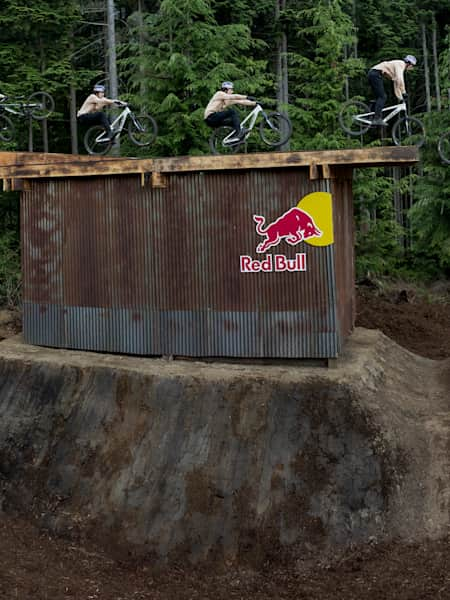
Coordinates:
[35,165]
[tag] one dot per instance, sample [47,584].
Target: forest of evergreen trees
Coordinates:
[304,56]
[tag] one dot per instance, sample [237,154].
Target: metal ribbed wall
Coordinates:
[112,266]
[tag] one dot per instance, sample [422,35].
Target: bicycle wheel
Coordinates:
[408,131]
[142,129]
[217,144]
[444,147]
[95,140]
[6,129]
[347,117]
[40,105]
[275,129]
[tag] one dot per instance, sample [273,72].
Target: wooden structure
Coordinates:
[196,256]
[25,165]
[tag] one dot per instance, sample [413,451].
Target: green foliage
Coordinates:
[430,215]
[10,276]
[190,56]
[317,73]
[378,251]
[173,56]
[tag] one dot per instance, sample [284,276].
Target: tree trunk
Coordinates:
[142,84]
[73,120]
[282,67]
[426,68]
[436,67]
[112,61]
[44,130]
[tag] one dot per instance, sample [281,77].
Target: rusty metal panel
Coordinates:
[112,266]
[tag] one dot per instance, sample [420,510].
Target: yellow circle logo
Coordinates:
[319,206]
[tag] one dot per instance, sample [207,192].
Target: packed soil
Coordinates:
[36,565]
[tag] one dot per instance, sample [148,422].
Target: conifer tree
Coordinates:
[188,55]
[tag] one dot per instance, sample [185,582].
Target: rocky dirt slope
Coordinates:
[34,564]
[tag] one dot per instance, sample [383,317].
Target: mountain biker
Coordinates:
[394,70]
[91,111]
[218,111]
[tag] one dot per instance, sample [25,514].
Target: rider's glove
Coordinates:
[405,96]
[251,98]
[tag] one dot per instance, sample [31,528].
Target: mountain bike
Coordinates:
[38,106]
[356,118]
[274,130]
[142,131]
[444,147]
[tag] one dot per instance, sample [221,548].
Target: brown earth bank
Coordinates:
[35,565]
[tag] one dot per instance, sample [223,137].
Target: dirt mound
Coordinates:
[38,566]
[410,319]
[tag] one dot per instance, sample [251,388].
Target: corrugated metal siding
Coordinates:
[111,266]
[344,250]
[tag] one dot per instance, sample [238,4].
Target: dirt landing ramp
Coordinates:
[181,459]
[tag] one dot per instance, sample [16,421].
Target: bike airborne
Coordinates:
[38,106]
[142,131]
[356,118]
[275,129]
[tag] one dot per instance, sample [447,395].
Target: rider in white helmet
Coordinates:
[218,111]
[393,70]
[91,111]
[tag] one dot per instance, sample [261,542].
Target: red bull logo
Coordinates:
[277,263]
[311,221]
[294,226]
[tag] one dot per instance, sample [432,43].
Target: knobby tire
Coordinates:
[142,130]
[275,129]
[216,141]
[7,129]
[347,115]
[408,131]
[93,147]
[45,108]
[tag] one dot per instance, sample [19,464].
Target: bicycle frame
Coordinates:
[366,118]
[15,108]
[248,123]
[22,109]
[117,125]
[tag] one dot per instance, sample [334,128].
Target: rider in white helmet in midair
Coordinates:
[393,70]
[91,111]
[218,111]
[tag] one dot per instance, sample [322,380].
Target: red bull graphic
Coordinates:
[311,221]
[295,225]
[273,263]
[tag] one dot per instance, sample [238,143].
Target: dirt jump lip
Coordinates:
[184,458]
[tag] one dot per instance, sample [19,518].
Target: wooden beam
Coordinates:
[326,172]
[77,168]
[159,180]
[36,165]
[42,158]
[313,171]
